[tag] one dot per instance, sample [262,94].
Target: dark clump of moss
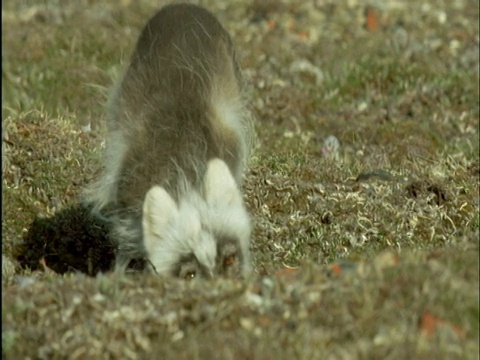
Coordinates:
[72,240]
[417,188]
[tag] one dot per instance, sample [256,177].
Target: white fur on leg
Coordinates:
[220,186]
[159,210]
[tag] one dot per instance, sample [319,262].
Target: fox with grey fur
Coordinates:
[179,136]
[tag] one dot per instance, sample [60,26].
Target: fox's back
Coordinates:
[179,52]
[179,104]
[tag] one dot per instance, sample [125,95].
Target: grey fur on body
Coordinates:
[179,130]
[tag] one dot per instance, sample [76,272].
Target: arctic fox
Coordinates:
[179,136]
